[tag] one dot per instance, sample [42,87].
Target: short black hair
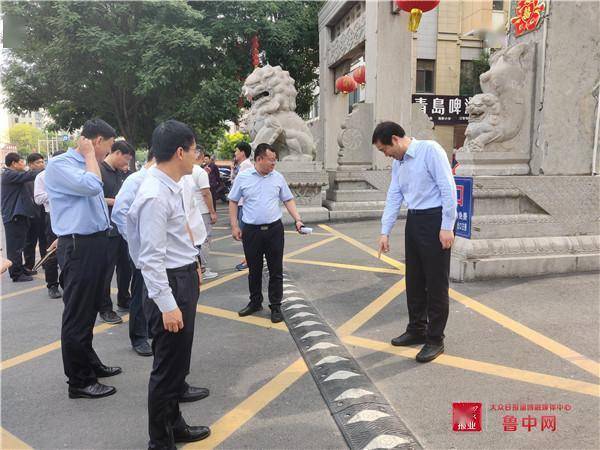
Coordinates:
[385,130]
[98,127]
[245,147]
[33,157]
[261,150]
[168,137]
[12,158]
[123,147]
[150,155]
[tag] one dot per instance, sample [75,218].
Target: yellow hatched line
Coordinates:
[230,315]
[537,338]
[344,266]
[23,291]
[9,441]
[526,376]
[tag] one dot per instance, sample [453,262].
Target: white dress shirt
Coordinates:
[125,198]
[193,210]
[40,196]
[157,235]
[245,165]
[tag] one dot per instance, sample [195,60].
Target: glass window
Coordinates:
[498,5]
[425,76]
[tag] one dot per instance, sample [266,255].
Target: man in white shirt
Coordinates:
[40,197]
[161,246]
[242,159]
[205,206]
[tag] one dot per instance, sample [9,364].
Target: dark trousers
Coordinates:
[172,354]
[16,237]
[51,264]
[138,327]
[118,257]
[427,274]
[35,234]
[82,262]
[265,240]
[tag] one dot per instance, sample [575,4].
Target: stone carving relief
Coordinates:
[347,40]
[354,139]
[272,117]
[499,115]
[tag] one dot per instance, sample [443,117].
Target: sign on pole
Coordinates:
[464,209]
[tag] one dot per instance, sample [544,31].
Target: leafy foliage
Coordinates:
[26,137]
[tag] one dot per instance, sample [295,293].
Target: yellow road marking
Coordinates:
[228,236]
[23,291]
[371,309]
[498,370]
[247,409]
[230,315]
[310,247]
[343,266]
[537,338]
[365,248]
[551,345]
[288,232]
[9,441]
[233,255]
[222,280]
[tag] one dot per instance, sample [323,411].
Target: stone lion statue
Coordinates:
[272,117]
[498,114]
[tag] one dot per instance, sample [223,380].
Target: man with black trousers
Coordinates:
[40,197]
[79,218]
[113,177]
[263,188]
[17,210]
[161,245]
[421,177]
[37,224]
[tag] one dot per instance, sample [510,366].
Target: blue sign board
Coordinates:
[464,209]
[65,137]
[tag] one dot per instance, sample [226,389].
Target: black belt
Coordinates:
[429,211]
[85,236]
[189,268]
[263,227]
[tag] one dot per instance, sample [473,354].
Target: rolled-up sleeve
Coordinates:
[393,202]
[65,178]
[442,174]
[152,220]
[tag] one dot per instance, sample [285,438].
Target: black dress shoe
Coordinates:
[110,317]
[54,292]
[96,390]
[408,339]
[276,316]
[30,272]
[191,434]
[22,278]
[248,310]
[106,371]
[429,352]
[193,394]
[143,349]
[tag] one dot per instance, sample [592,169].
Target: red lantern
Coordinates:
[360,75]
[345,84]
[416,8]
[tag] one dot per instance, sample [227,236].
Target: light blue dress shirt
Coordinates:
[77,204]
[262,194]
[125,198]
[423,179]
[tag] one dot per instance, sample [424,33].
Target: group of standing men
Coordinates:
[155,212]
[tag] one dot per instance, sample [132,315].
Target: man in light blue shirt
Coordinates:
[138,327]
[263,190]
[422,178]
[80,220]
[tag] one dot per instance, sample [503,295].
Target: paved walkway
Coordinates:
[530,343]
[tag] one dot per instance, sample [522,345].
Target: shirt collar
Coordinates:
[165,179]
[253,170]
[412,148]
[75,154]
[107,166]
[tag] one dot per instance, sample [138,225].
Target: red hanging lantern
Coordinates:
[345,84]
[360,75]
[416,8]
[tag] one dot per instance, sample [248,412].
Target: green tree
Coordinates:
[25,137]
[226,146]
[138,63]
